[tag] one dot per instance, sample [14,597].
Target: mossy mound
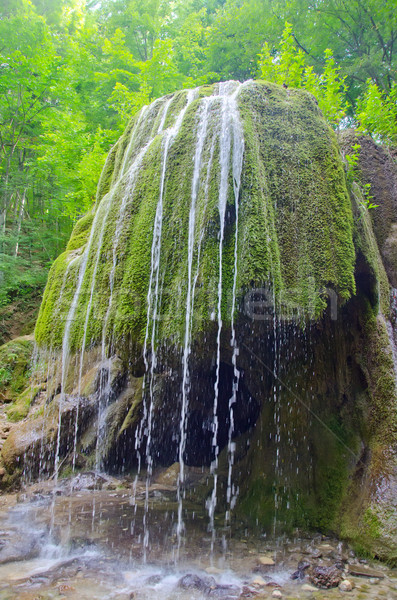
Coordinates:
[294,224]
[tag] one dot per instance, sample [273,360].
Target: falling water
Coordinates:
[201,137]
[229,128]
[140,431]
[238,153]
[131,179]
[84,341]
[49,359]
[103,207]
[136,128]
[152,308]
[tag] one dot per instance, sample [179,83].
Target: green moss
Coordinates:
[372,523]
[19,409]
[365,243]
[134,412]
[15,362]
[80,233]
[295,222]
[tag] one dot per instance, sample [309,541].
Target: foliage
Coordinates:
[15,358]
[377,112]
[289,68]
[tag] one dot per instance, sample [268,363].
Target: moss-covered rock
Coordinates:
[295,221]
[20,408]
[15,363]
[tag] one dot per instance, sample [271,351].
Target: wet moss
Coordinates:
[295,227]
[15,364]
[19,409]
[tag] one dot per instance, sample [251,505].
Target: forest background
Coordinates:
[73,72]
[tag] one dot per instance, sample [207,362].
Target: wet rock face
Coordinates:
[377,166]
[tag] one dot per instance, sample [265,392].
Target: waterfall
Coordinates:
[104,207]
[157,360]
[153,305]
[98,229]
[238,154]
[230,127]
[131,178]
[203,117]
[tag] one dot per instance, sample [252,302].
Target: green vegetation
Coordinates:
[295,226]
[15,359]
[73,73]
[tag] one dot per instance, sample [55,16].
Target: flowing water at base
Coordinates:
[95,550]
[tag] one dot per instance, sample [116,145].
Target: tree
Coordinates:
[288,66]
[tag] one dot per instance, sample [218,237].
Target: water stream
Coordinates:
[93,551]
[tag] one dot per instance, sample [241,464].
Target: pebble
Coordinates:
[374,581]
[346,586]
[266,561]
[276,594]
[308,588]
[259,581]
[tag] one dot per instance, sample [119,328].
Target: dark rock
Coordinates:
[227,592]
[300,572]
[326,577]
[194,582]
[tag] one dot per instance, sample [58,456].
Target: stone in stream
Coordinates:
[364,571]
[300,572]
[248,592]
[308,588]
[209,586]
[226,592]
[259,582]
[326,577]
[194,582]
[15,546]
[266,561]
[346,586]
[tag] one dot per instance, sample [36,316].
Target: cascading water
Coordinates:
[131,176]
[201,136]
[153,300]
[104,208]
[230,129]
